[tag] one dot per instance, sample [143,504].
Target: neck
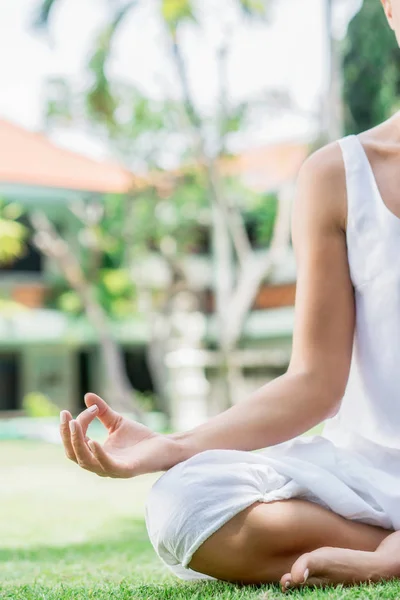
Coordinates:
[395,121]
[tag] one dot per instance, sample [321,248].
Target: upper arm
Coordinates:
[325,313]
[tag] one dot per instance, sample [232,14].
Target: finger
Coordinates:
[106,414]
[86,417]
[110,466]
[84,456]
[65,418]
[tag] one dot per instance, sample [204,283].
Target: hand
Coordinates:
[130,449]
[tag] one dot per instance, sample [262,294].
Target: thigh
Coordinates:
[261,544]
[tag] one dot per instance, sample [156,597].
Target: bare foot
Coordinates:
[333,566]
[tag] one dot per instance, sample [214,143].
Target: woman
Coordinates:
[309,511]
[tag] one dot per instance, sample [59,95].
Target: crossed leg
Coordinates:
[281,541]
[330,566]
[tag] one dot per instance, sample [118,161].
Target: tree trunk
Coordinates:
[257,270]
[235,287]
[120,393]
[223,287]
[119,390]
[156,353]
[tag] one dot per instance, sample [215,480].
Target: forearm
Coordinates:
[279,411]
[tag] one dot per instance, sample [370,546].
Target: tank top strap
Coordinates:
[362,201]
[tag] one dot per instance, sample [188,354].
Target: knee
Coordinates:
[195,517]
[253,547]
[178,510]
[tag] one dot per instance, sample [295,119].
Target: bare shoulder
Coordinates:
[325,165]
[321,187]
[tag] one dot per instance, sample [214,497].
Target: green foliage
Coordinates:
[69,302]
[172,218]
[100,97]
[38,405]
[11,241]
[233,122]
[147,400]
[59,101]
[9,308]
[11,211]
[175,12]
[135,125]
[116,281]
[371,69]
[262,217]
[116,292]
[137,128]
[44,13]
[254,8]
[12,233]
[173,215]
[141,126]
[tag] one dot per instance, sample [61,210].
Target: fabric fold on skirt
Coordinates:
[196,498]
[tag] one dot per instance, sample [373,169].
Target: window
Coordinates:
[137,369]
[10,377]
[84,380]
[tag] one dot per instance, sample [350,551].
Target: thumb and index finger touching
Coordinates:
[96,407]
[104,412]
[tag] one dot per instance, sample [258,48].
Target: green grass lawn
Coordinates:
[65,533]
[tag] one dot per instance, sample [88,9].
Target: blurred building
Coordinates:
[45,350]
[39,348]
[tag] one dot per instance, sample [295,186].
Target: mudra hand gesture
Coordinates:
[130,449]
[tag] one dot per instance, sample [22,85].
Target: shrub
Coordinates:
[36,405]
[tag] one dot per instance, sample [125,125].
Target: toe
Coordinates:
[286,582]
[299,574]
[302,570]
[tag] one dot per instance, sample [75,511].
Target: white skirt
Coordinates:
[197,497]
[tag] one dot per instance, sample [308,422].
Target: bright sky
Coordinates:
[290,53]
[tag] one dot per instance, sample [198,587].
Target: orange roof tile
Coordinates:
[265,168]
[268,167]
[31,159]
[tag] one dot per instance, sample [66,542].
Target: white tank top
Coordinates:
[370,410]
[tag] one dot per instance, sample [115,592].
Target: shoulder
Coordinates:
[324,167]
[321,186]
